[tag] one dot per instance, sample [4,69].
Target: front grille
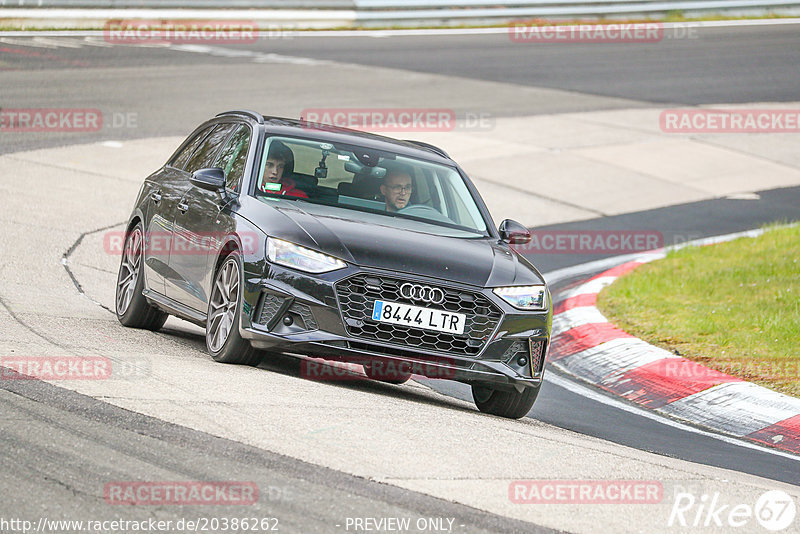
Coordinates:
[358,294]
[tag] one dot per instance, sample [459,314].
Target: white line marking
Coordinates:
[32,43]
[91,41]
[258,57]
[744,196]
[58,43]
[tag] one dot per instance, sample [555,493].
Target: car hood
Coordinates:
[371,243]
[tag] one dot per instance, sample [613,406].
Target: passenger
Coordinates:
[396,189]
[280,159]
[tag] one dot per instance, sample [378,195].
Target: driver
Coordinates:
[280,159]
[396,189]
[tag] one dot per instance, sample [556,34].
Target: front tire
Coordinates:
[511,404]
[223,340]
[132,308]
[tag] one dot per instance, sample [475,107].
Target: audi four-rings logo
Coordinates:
[434,295]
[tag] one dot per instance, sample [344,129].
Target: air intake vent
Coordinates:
[270,306]
[305,315]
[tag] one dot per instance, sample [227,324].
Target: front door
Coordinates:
[201,225]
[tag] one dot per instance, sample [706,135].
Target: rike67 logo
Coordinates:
[774,510]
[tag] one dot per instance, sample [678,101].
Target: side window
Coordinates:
[233,157]
[460,212]
[183,156]
[204,156]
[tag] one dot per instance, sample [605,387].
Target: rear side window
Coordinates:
[205,155]
[233,157]
[183,156]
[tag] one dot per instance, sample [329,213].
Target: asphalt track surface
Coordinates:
[71,443]
[688,66]
[171,92]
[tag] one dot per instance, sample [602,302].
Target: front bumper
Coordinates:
[291,312]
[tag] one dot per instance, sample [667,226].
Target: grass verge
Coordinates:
[734,307]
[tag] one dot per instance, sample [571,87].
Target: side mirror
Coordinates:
[212,179]
[514,233]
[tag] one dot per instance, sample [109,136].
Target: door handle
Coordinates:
[183,207]
[156,197]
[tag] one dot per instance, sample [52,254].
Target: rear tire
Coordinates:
[223,340]
[131,307]
[511,404]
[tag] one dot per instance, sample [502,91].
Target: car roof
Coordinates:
[339,135]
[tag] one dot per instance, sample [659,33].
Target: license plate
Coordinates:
[386,311]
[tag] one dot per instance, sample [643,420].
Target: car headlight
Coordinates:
[524,297]
[301,258]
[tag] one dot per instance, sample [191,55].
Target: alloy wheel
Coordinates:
[224,300]
[129,271]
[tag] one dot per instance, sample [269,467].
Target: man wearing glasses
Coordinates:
[396,189]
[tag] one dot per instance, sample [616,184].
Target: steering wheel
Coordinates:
[419,210]
[425,212]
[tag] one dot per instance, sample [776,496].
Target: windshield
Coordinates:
[362,180]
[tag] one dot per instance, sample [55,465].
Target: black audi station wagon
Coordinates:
[282,236]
